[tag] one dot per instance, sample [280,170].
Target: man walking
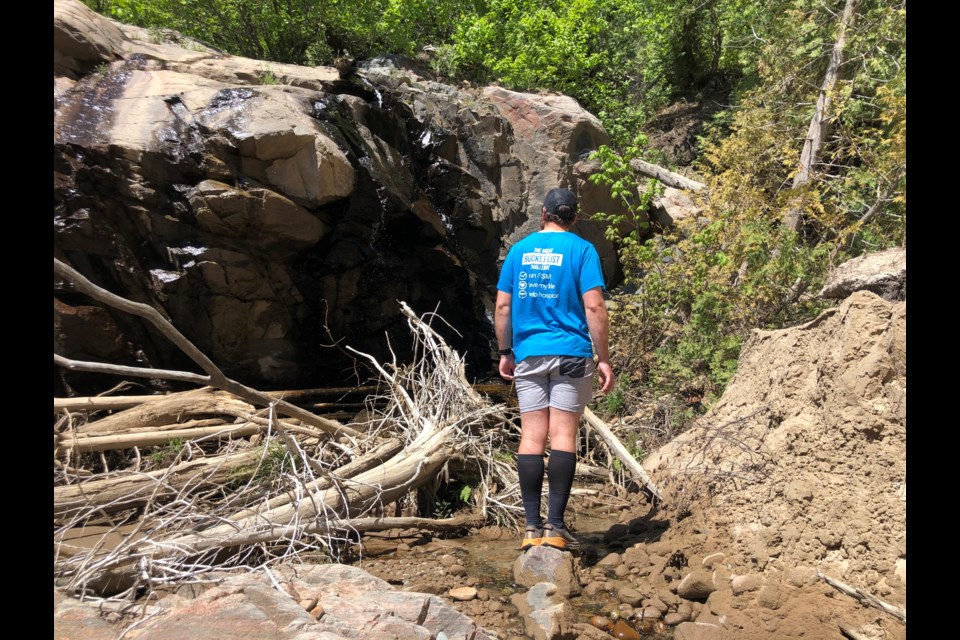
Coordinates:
[550,319]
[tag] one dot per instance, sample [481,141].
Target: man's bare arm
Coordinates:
[598,322]
[503,325]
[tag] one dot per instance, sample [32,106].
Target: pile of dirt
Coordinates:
[799,472]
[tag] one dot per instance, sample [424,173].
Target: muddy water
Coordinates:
[485,561]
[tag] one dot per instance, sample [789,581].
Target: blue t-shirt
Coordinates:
[547,274]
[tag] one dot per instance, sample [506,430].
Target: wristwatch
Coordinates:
[505,352]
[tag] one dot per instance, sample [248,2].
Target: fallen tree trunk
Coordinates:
[110,495]
[163,410]
[99,403]
[666,176]
[118,568]
[109,403]
[86,444]
[620,451]
[375,458]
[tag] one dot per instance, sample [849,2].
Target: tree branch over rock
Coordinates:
[214,376]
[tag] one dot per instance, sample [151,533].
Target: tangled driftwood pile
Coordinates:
[226,476]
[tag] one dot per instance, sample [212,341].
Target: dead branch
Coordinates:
[849,632]
[865,598]
[86,444]
[820,122]
[215,377]
[171,408]
[99,403]
[620,451]
[137,489]
[665,176]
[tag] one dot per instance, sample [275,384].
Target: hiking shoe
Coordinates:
[532,537]
[559,538]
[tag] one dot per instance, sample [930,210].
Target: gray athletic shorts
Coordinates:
[561,382]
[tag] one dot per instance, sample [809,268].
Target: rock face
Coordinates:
[800,467]
[346,603]
[269,210]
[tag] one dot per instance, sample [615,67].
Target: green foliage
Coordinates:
[615,402]
[583,48]
[297,31]
[628,228]
[267,76]
[275,462]
[166,454]
[704,285]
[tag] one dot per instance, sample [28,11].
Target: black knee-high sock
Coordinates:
[560,472]
[530,470]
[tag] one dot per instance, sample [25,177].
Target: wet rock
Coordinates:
[629,596]
[650,613]
[327,196]
[544,564]
[589,632]
[697,585]
[463,594]
[595,587]
[673,619]
[657,604]
[601,623]
[697,631]
[543,611]
[624,631]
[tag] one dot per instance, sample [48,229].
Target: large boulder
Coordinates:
[270,210]
[882,272]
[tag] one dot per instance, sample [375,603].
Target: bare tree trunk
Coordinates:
[109,495]
[665,176]
[153,438]
[601,428]
[168,409]
[214,376]
[819,125]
